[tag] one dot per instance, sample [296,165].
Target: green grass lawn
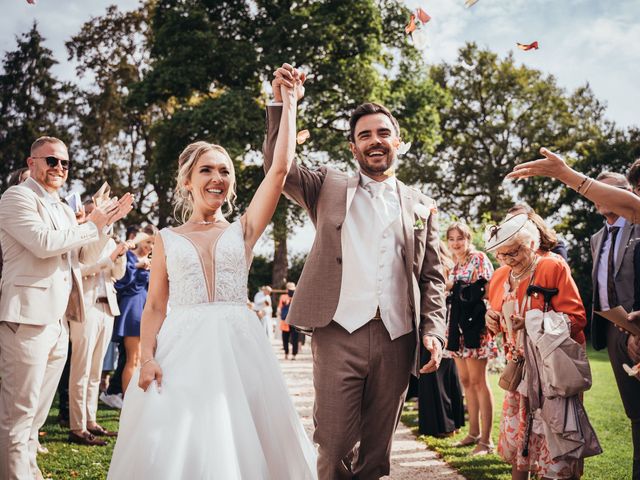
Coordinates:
[69,461]
[66,461]
[605,411]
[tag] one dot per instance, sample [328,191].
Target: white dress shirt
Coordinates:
[373,268]
[603,261]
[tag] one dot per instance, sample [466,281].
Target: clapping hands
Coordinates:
[288,84]
[111,211]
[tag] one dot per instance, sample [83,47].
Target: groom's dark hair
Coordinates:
[369,109]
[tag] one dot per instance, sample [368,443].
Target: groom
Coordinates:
[372,289]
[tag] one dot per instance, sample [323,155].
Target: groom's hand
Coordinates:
[289,77]
[433,345]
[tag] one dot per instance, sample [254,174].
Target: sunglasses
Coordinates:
[52,162]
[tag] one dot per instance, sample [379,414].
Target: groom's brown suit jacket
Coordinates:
[326,193]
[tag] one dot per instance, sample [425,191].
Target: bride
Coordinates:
[208,380]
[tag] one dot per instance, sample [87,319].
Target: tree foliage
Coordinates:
[111,55]
[500,115]
[210,61]
[32,102]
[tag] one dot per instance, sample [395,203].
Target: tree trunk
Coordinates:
[280,260]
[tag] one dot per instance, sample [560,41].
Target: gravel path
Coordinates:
[410,459]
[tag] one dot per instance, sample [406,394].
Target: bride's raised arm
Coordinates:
[264,202]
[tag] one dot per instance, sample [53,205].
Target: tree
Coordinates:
[500,115]
[210,59]
[114,136]
[32,102]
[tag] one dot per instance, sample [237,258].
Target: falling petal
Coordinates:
[470,3]
[411,26]
[31,2]
[403,147]
[419,39]
[527,46]
[302,136]
[631,371]
[422,15]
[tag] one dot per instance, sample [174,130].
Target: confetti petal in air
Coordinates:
[403,147]
[470,3]
[631,371]
[528,46]
[419,38]
[422,16]
[302,136]
[411,27]
[31,2]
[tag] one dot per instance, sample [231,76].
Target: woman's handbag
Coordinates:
[512,374]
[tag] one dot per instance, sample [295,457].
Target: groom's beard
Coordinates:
[375,166]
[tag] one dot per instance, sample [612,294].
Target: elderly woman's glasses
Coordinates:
[512,254]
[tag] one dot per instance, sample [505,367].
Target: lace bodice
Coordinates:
[188,269]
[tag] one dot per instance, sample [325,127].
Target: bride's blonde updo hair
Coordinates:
[182,199]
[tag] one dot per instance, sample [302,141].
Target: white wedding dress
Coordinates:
[223,411]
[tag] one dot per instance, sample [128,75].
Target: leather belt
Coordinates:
[102,300]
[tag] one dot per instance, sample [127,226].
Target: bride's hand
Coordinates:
[149,372]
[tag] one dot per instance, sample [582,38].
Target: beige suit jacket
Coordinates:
[111,271]
[326,195]
[35,275]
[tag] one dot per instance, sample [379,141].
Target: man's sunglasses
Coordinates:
[53,162]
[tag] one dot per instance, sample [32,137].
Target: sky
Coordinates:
[580,41]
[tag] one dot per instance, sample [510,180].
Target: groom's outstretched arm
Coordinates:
[302,185]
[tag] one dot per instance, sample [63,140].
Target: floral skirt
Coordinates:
[511,441]
[488,349]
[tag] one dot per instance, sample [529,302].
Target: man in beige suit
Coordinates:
[41,284]
[90,339]
[372,288]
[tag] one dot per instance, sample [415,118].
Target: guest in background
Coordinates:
[132,290]
[90,340]
[116,357]
[289,333]
[262,307]
[440,400]
[19,176]
[549,241]
[471,348]
[612,249]
[516,242]
[41,288]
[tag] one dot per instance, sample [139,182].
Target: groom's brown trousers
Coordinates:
[360,381]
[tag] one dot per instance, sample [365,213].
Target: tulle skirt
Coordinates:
[223,411]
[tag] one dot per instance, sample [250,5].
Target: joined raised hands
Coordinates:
[552,166]
[288,83]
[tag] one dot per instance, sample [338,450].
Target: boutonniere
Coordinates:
[421,212]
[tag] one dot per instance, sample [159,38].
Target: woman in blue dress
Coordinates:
[132,295]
